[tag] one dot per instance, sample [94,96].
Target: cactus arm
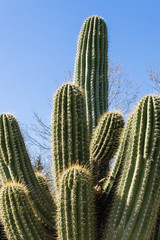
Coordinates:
[105,141]
[17,213]
[44,184]
[69,130]
[115,171]
[75,212]
[14,157]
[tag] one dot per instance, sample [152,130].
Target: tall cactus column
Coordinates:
[69,130]
[91,67]
[137,198]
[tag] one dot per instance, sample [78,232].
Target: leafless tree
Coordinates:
[154,75]
[37,137]
[122,93]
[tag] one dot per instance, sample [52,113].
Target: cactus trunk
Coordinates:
[91,68]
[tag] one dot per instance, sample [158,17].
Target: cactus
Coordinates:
[15,165]
[75,205]
[110,182]
[91,68]
[92,199]
[18,213]
[44,185]
[105,141]
[69,129]
[114,172]
[137,197]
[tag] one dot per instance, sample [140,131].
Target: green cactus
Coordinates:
[105,141]
[18,213]
[76,205]
[137,197]
[69,129]
[115,171]
[44,185]
[110,182]
[91,67]
[15,165]
[104,144]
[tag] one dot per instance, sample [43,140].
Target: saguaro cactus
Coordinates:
[91,67]
[126,205]
[138,195]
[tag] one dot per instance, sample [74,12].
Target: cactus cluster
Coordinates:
[106,175]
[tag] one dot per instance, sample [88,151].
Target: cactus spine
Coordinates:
[91,67]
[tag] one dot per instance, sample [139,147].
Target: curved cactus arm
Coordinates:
[114,173]
[44,184]
[17,213]
[15,165]
[75,218]
[91,67]
[69,129]
[137,197]
[105,142]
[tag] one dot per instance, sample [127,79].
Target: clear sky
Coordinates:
[38,46]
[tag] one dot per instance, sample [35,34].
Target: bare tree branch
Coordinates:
[122,93]
[154,76]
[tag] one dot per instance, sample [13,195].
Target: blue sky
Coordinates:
[38,46]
